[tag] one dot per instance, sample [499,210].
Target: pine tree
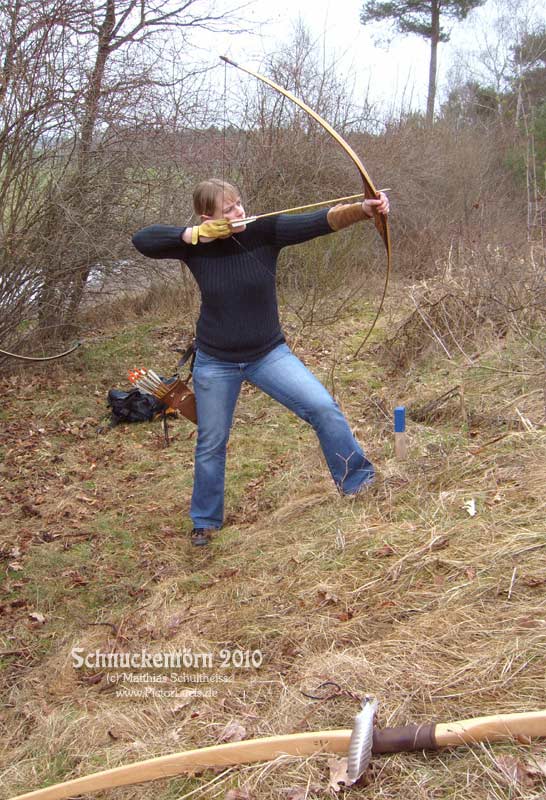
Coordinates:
[424,18]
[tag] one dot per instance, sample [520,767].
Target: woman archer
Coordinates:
[239,336]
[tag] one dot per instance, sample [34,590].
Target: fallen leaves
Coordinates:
[233,732]
[83,498]
[385,552]
[239,794]
[302,792]
[345,616]
[533,580]
[92,680]
[524,773]
[74,578]
[290,793]
[338,774]
[29,510]
[324,597]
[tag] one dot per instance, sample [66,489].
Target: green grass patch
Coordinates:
[400,592]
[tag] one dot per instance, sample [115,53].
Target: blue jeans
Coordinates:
[282,376]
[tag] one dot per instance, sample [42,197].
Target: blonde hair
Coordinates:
[206,194]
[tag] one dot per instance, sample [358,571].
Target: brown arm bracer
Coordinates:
[344,215]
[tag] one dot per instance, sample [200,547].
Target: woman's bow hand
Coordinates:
[380,204]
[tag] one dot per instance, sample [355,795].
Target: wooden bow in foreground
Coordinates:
[523,727]
[370,192]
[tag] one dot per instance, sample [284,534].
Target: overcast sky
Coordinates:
[396,74]
[390,71]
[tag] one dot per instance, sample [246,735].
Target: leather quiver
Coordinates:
[181,398]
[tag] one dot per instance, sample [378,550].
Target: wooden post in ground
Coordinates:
[400,442]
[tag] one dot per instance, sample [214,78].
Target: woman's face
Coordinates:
[230,208]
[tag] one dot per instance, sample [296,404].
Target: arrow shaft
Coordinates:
[300,208]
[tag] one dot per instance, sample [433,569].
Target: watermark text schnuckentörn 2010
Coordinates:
[186,658]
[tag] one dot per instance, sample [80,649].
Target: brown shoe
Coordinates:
[201,537]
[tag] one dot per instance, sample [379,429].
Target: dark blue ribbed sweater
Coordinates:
[239,317]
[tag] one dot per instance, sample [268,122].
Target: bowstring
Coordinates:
[254,257]
[224,145]
[224,138]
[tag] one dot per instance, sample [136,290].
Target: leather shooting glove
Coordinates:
[211,229]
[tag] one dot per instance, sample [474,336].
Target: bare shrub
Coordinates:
[109,146]
[77,85]
[495,291]
[281,158]
[168,299]
[451,191]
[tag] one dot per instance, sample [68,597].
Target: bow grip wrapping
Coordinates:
[405,739]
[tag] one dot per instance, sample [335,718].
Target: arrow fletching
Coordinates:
[360,745]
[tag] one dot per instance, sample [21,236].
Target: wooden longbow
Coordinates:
[522,727]
[41,358]
[370,192]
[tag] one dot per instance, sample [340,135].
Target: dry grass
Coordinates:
[400,593]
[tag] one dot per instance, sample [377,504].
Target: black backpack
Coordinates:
[132,406]
[138,406]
